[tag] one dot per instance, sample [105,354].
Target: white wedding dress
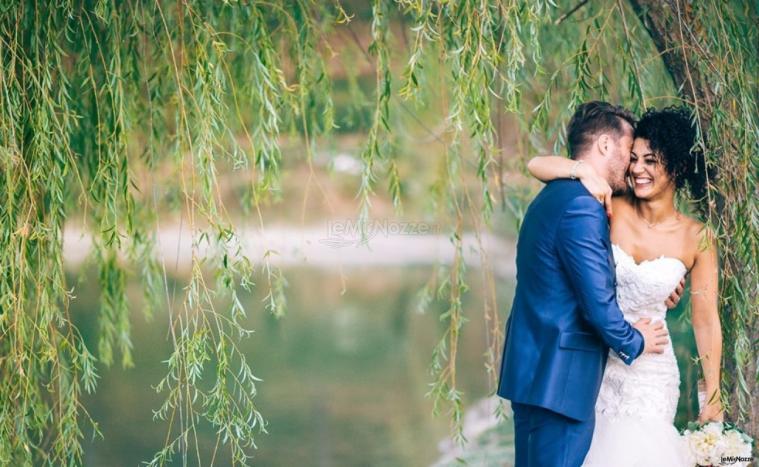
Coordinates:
[636,405]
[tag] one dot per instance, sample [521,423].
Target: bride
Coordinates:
[654,247]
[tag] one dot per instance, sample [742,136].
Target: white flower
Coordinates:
[706,445]
[711,444]
[735,445]
[713,428]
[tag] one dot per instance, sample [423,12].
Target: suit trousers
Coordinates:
[544,438]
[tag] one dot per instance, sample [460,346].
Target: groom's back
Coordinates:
[540,277]
[545,308]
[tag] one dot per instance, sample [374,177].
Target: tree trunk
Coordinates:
[670,25]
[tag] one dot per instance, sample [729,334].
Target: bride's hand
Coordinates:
[712,412]
[596,185]
[674,297]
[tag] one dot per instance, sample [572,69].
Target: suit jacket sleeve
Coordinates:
[583,247]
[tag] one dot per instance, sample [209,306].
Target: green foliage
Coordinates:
[729,124]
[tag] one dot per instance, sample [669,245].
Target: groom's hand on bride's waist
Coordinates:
[655,338]
[675,297]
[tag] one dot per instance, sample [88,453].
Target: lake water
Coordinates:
[344,376]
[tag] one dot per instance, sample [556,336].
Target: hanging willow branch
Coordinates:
[103,101]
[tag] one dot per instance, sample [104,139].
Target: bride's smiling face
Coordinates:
[647,175]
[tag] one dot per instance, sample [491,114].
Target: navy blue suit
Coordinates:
[563,321]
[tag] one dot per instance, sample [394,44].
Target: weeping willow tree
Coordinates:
[99,97]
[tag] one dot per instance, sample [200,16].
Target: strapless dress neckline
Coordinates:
[649,260]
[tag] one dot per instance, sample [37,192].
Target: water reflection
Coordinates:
[344,375]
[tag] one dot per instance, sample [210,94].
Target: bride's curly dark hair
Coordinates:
[671,134]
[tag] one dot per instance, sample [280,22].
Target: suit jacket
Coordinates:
[565,316]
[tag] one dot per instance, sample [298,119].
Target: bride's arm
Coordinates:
[547,168]
[706,324]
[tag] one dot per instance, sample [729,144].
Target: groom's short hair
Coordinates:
[592,118]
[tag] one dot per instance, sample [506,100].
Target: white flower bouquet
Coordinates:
[715,444]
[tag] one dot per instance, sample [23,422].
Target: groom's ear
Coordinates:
[603,142]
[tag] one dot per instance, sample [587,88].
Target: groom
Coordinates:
[565,315]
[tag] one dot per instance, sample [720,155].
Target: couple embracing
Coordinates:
[587,363]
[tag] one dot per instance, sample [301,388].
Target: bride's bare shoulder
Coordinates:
[698,235]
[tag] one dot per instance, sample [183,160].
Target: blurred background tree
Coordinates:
[122,117]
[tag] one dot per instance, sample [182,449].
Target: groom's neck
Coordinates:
[598,162]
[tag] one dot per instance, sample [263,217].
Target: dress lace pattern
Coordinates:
[650,387]
[636,405]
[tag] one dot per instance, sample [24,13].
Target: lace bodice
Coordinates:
[642,288]
[650,387]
